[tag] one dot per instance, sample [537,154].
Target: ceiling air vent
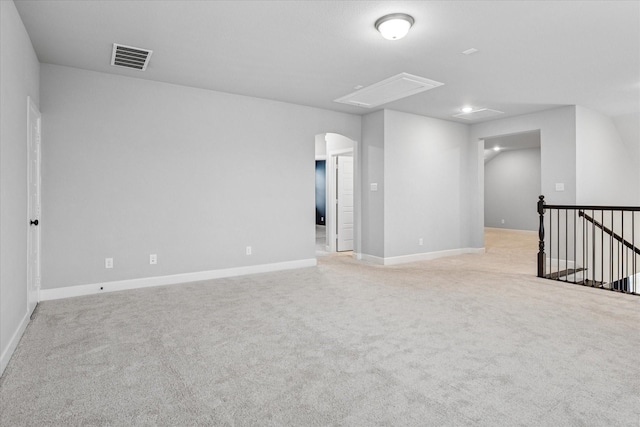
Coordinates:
[391,89]
[482,113]
[130,57]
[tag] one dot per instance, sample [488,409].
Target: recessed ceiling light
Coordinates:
[470,51]
[496,148]
[466,109]
[394,26]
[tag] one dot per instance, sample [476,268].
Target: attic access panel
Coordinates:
[391,89]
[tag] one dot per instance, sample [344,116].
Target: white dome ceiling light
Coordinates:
[394,26]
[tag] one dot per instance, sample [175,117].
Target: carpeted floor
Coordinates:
[469,340]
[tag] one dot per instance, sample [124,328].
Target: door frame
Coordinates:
[33,289]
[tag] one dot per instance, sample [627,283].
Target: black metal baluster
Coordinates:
[633,243]
[611,256]
[566,243]
[585,247]
[625,258]
[541,257]
[551,245]
[558,238]
[593,247]
[575,245]
[602,248]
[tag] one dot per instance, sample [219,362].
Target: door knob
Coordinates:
[34,222]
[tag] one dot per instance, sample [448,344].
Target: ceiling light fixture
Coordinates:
[496,148]
[466,109]
[394,26]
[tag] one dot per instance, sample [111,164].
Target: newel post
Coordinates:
[542,263]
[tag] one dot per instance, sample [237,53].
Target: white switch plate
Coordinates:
[248,250]
[153,259]
[560,186]
[420,241]
[108,263]
[374,186]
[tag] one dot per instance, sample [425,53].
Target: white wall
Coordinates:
[321,147]
[511,189]
[607,166]
[628,126]
[134,167]
[19,78]
[424,184]
[557,158]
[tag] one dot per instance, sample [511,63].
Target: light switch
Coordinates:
[560,186]
[374,186]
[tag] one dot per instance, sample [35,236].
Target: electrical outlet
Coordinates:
[502,221]
[153,259]
[108,263]
[420,241]
[248,250]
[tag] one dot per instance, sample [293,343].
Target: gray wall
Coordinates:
[373,206]
[511,189]
[420,166]
[424,183]
[19,78]
[133,167]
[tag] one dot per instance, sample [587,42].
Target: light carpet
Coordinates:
[468,340]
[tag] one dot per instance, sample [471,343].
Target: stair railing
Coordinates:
[590,245]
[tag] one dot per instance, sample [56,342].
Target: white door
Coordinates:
[344,204]
[33,209]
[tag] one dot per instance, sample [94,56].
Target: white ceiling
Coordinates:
[532,55]
[516,141]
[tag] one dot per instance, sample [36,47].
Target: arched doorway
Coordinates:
[336,218]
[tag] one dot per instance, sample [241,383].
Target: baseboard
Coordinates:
[13,343]
[512,229]
[418,257]
[371,258]
[145,282]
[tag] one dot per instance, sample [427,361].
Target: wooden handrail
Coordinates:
[609,232]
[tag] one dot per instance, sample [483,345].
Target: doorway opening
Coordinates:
[512,181]
[335,194]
